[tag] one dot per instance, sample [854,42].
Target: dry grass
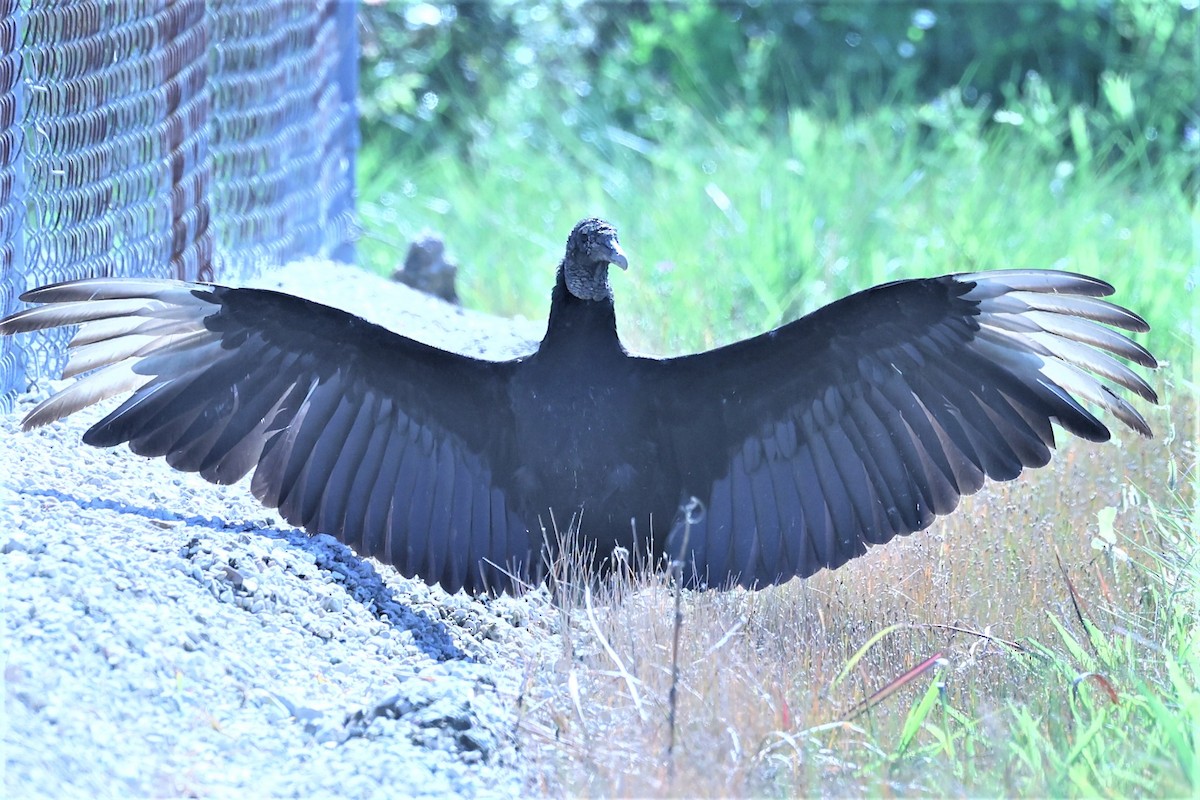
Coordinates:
[761,708]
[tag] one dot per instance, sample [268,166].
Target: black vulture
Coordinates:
[804,445]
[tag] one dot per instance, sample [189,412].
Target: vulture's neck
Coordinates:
[590,325]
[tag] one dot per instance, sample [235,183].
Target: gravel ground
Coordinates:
[167,637]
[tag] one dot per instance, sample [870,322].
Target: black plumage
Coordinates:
[805,445]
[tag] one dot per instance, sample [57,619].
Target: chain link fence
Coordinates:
[195,139]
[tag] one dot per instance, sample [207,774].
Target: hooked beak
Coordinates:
[616,256]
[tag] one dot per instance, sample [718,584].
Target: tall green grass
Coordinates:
[731,232]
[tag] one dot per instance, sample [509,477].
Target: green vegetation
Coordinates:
[739,216]
[747,192]
[451,74]
[731,233]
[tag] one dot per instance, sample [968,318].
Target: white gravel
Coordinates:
[167,637]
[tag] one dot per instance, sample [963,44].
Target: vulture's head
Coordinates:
[591,247]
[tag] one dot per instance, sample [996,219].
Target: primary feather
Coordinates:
[805,445]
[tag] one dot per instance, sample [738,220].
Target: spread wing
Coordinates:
[873,415]
[397,448]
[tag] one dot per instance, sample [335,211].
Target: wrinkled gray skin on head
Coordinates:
[591,247]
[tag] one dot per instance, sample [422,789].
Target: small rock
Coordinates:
[427,270]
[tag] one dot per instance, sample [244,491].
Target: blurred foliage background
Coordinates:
[789,152]
[444,74]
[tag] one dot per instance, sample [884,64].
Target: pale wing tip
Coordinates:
[102,289]
[1040,280]
[1136,422]
[1138,325]
[44,413]
[18,322]
[1139,355]
[31,422]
